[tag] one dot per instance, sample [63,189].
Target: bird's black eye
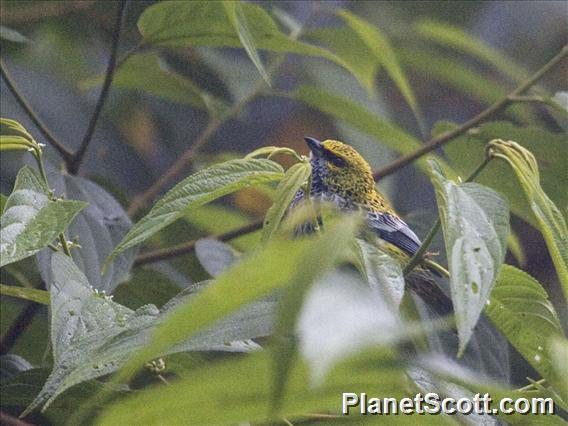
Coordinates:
[335,159]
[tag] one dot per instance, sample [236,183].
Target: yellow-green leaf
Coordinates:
[551,222]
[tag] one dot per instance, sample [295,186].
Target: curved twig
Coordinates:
[65,153]
[74,164]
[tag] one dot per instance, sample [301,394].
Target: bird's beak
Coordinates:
[314,145]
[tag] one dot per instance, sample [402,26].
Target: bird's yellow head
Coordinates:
[339,170]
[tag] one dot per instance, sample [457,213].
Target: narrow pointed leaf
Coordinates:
[475,221]
[295,177]
[31,220]
[346,44]
[381,48]
[457,39]
[205,23]
[551,221]
[238,19]
[198,189]
[31,294]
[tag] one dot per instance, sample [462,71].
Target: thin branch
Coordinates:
[65,153]
[77,159]
[445,137]
[189,246]
[141,201]
[418,257]
[20,324]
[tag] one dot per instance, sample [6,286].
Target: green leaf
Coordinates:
[31,220]
[14,137]
[475,221]
[383,272]
[360,118]
[247,380]
[519,307]
[551,222]
[381,48]
[146,72]
[456,38]
[295,177]
[32,294]
[330,249]
[548,148]
[93,336]
[458,76]
[238,20]
[346,44]
[205,23]
[254,277]
[196,190]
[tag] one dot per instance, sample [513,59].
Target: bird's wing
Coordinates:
[394,230]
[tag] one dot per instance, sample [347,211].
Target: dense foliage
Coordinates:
[258,324]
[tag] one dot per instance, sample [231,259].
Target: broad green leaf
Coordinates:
[295,177]
[458,76]
[256,276]
[520,309]
[205,23]
[31,294]
[196,190]
[31,220]
[329,251]
[549,149]
[146,72]
[346,44]
[97,229]
[386,133]
[238,19]
[456,38]
[475,221]
[551,221]
[93,336]
[247,380]
[381,48]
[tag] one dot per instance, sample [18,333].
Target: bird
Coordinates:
[342,177]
